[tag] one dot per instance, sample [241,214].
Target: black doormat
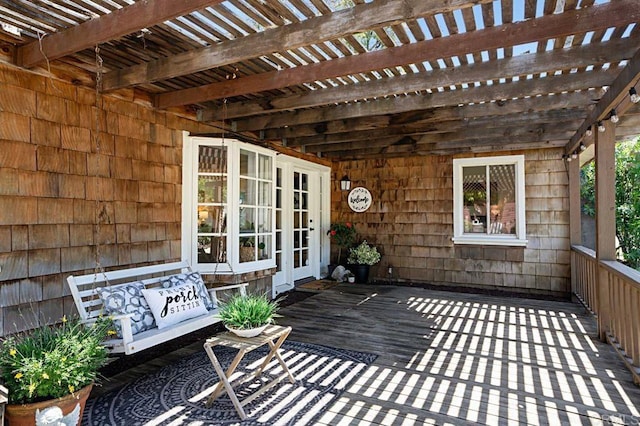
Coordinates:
[177,393]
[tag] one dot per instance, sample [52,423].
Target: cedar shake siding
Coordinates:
[411,223]
[56,185]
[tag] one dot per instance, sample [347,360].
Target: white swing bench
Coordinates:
[90,307]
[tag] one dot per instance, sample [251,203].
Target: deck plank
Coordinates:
[453,358]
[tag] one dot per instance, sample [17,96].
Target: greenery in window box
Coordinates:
[248,311]
[53,361]
[363,254]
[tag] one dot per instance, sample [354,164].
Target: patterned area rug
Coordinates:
[176,394]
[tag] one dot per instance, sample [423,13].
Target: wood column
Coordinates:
[575,213]
[605,219]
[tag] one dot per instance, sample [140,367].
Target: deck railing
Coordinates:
[611,290]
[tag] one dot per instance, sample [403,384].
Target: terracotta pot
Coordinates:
[25,414]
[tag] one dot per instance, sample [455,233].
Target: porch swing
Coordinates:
[139,299]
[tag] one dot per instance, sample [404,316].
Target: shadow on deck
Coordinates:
[454,358]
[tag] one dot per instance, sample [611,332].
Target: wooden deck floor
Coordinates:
[452,359]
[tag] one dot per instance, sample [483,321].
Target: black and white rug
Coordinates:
[176,394]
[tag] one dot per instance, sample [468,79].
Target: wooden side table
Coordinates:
[274,336]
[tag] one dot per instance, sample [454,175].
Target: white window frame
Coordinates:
[459,236]
[190,201]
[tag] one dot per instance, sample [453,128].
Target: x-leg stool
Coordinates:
[274,336]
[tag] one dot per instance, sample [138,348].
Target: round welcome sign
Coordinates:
[359,199]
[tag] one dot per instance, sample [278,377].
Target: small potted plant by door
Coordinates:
[361,258]
[50,371]
[248,315]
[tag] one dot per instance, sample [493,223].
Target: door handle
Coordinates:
[311,229]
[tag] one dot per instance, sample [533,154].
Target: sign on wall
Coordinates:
[359,199]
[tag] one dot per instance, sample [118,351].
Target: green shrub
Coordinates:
[53,361]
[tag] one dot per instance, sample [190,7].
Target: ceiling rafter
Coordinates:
[618,94]
[396,105]
[621,12]
[114,25]
[560,59]
[283,38]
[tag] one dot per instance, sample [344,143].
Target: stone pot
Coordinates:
[25,414]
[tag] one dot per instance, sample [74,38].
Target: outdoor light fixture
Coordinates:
[567,157]
[601,127]
[589,132]
[633,95]
[614,117]
[345,183]
[582,146]
[574,155]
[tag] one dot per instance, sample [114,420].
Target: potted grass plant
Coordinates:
[52,367]
[248,315]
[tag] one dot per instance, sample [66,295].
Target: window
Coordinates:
[228,209]
[488,201]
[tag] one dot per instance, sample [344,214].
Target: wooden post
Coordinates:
[575,215]
[605,220]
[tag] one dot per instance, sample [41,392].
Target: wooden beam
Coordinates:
[595,54]
[618,93]
[421,102]
[470,136]
[327,27]
[577,21]
[422,120]
[505,126]
[399,146]
[114,25]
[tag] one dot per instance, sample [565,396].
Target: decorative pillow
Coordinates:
[174,304]
[195,278]
[127,299]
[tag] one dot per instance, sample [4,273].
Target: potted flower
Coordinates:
[361,258]
[248,315]
[52,366]
[343,235]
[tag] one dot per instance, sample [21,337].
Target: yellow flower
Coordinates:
[71,388]
[32,387]
[18,376]
[111,332]
[64,318]
[45,376]
[12,352]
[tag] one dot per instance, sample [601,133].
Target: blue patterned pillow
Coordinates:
[194,278]
[127,299]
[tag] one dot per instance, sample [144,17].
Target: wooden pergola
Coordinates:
[437,78]
[373,80]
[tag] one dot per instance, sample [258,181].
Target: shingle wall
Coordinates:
[55,179]
[411,222]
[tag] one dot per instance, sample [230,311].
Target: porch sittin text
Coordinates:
[178,301]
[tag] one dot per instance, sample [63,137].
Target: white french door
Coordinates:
[303,214]
[299,245]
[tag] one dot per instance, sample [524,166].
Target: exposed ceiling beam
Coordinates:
[446,128]
[555,84]
[557,60]
[403,146]
[618,93]
[601,17]
[332,26]
[114,25]
[534,132]
[437,119]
